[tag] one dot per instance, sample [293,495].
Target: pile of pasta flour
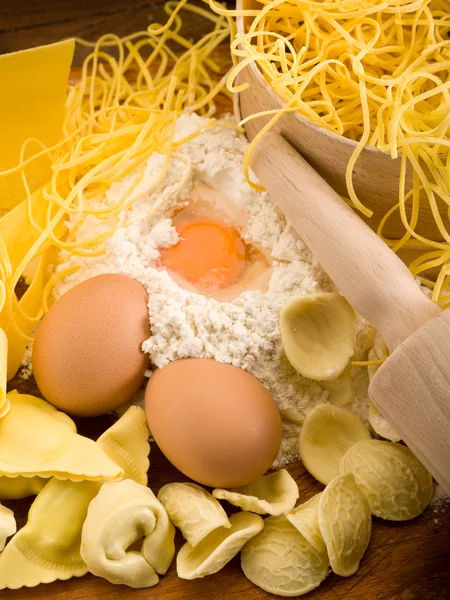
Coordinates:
[242,332]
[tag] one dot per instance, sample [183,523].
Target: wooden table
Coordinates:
[405,561]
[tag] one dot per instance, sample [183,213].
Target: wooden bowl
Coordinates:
[376,174]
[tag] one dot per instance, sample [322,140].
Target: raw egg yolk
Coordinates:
[208,254]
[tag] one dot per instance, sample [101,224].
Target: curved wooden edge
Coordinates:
[375,175]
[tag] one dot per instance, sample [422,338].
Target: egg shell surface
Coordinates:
[216,423]
[87,357]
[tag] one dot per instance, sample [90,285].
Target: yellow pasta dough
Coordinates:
[121,514]
[7,525]
[48,546]
[345,523]
[318,334]
[217,548]
[281,561]
[396,485]
[52,448]
[14,488]
[193,510]
[272,494]
[326,434]
[305,518]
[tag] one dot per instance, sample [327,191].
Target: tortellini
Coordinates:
[396,485]
[281,561]
[305,518]
[345,524]
[273,494]
[60,509]
[8,525]
[193,510]
[318,333]
[218,548]
[53,448]
[121,514]
[326,434]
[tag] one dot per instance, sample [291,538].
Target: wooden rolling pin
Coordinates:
[412,388]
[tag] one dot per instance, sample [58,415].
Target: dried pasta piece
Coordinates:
[53,448]
[318,334]
[340,389]
[48,546]
[14,488]
[381,427]
[60,510]
[396,485]
[126,443]
[217,548]
[274,494]
[376,419]
[326,435]
[305,518]
[120,515]
[281,561]
[345,523]
[8,525]
[4,402]
[193,510]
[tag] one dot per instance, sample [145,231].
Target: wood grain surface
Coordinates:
[405,561]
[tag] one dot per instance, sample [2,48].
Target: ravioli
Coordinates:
[52,448]
[47,548]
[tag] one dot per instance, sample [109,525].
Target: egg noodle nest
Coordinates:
[374,71]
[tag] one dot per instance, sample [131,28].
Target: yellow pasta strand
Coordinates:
[376,72]
[124,108]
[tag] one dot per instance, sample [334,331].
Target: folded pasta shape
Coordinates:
[120,515]
[53,448]
[4,402]
[273,494]
[126,443]
[48,546]
[14,488]
[305,519]
[281,561]
[8,525]
[219,547]
[193,510]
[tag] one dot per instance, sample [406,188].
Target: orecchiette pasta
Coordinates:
[217,548]
[326,434]
[305,518]
[193,510]
[345,523]
[273,494]
[281,561]
[318,334]
[396,485]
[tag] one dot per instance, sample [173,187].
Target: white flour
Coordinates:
[243,332]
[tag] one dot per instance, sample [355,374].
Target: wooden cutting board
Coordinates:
[405,561]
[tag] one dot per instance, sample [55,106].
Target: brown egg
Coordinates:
[216,423]
[87,357]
